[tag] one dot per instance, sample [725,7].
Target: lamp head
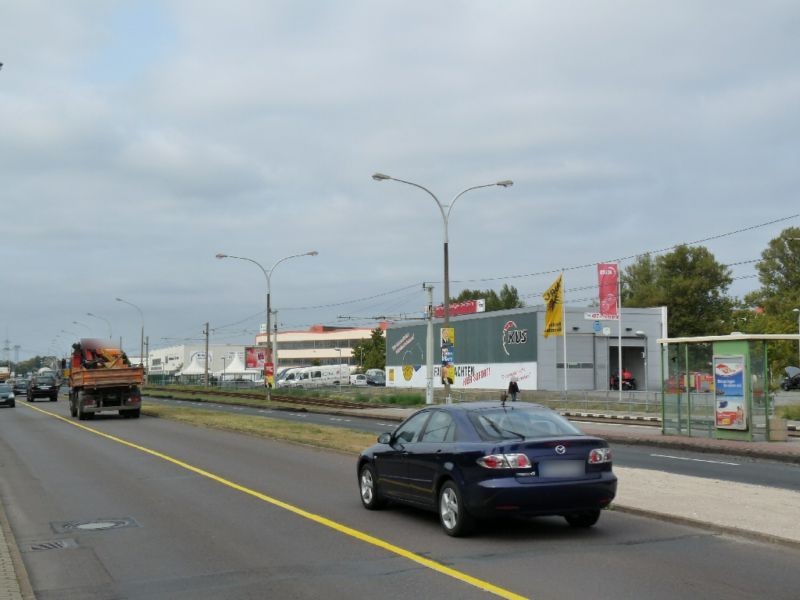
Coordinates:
[380,177]
[220,255]
[119,299]
[505,183]
[312,253]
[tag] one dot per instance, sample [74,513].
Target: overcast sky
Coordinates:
[139,139]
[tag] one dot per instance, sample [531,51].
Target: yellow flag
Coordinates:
[554,302]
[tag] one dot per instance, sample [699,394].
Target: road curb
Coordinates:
[23,589]
[713,527]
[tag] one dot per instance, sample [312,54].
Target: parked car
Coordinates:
[43,386]
[376,379]
[358,379]
[792,379]
[7,395]
[485,459]
[20,386]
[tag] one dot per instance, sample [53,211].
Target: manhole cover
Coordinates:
[88,525]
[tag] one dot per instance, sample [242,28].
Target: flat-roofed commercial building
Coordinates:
[491,348]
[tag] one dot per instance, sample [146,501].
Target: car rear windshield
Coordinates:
[515,423]
[4,388]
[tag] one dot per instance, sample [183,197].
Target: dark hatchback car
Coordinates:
[7,395]
[486,459]
[43,386]
[20,386]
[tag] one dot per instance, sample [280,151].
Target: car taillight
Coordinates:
[598,456]
[505,461]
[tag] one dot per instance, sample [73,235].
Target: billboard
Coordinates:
[255,357]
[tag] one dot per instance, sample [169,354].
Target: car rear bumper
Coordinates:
[508,495]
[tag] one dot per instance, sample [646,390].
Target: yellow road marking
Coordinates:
[344,529]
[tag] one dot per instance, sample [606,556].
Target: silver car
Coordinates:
[7,395]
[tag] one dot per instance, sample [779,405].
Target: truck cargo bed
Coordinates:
[106,378]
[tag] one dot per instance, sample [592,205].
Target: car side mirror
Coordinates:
[385,438]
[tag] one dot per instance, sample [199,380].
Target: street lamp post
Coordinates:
[268,277]
[339,367]
[797,310]
[108,323]
[141,343]
[445,218]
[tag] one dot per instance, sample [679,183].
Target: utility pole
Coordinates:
[206,334]
[429,345]
[146,362]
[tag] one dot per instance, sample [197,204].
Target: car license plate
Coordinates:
[44,387]
[562,468]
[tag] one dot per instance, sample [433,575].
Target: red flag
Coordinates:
[607,278]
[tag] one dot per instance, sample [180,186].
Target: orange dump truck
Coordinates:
[101,378]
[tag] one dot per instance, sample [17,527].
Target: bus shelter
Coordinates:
[718,386]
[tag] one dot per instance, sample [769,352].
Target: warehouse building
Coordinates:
[491,348]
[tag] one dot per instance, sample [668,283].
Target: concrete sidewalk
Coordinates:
[762,513]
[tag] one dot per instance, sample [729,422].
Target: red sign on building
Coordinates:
[468,307]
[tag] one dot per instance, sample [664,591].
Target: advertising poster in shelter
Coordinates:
[729,382]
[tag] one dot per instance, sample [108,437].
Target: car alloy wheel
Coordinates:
[452,514]
[369,490]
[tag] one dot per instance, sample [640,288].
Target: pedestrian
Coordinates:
[513,389]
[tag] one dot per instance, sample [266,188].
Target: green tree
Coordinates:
[770,309]
[689,282]
[371,353]
[508,298]
[31,365]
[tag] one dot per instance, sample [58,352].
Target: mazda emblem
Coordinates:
[560,449]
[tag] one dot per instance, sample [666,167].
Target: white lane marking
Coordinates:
[714,462]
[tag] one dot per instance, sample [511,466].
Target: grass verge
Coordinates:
[333,438]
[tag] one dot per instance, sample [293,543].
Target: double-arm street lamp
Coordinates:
[82,325]
[268,277]
[141,344]
[108,323]
[445,210]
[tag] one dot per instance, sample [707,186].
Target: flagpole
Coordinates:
[564,330]
[619,334]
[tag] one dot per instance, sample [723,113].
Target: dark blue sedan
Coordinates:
[485,459]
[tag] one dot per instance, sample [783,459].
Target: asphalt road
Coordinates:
[216,515]
[697,464]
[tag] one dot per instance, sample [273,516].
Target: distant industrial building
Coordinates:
[191,359]
[319,344]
